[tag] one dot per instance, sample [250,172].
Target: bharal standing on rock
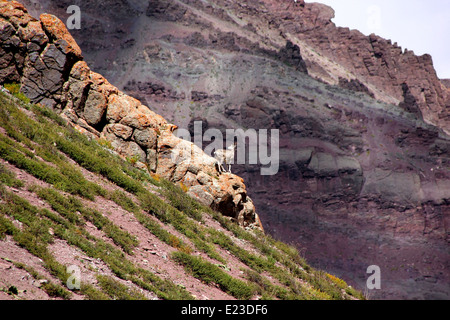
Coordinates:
[225,156]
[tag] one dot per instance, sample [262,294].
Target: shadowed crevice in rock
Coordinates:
[355,85]
[291,55]
[409,102]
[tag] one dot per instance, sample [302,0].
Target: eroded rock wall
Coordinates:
[374,60]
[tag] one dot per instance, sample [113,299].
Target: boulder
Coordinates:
[119,106]
[204,178]
[146,138]
[132,150]
[100,84]
[8,70]
[141,117]
[180,171]
[95,107]
[9,74]
[128,149]
[33,32]
[39,80]
[80,71]
[189,179]
[59,34]
[202,194]
[7,31]
[75,94]
[119,130]
[53,58]
[15,13]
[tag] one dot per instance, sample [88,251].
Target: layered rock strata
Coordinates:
[371,59]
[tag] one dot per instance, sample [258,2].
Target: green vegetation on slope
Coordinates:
[37,141]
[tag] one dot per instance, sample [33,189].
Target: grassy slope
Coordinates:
[38,142]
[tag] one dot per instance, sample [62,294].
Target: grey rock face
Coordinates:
[95,107]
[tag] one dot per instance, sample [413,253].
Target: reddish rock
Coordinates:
[33,32]
[100,84]
[376,60]
[57,30]
[446,83]
[119,106]
[140,118]
[119,130]
[80,71]
[15,12]
[202,194]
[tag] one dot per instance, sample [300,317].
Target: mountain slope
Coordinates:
[67,201]
[363,178]
[72,200]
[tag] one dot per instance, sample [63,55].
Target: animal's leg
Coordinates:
[218,167]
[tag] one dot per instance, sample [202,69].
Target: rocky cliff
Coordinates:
[376,62]
[44,58]
[363,123]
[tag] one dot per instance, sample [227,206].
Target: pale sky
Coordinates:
[418,25]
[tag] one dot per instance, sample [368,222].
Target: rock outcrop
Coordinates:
[290,54]
[46,60]
[373,60]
